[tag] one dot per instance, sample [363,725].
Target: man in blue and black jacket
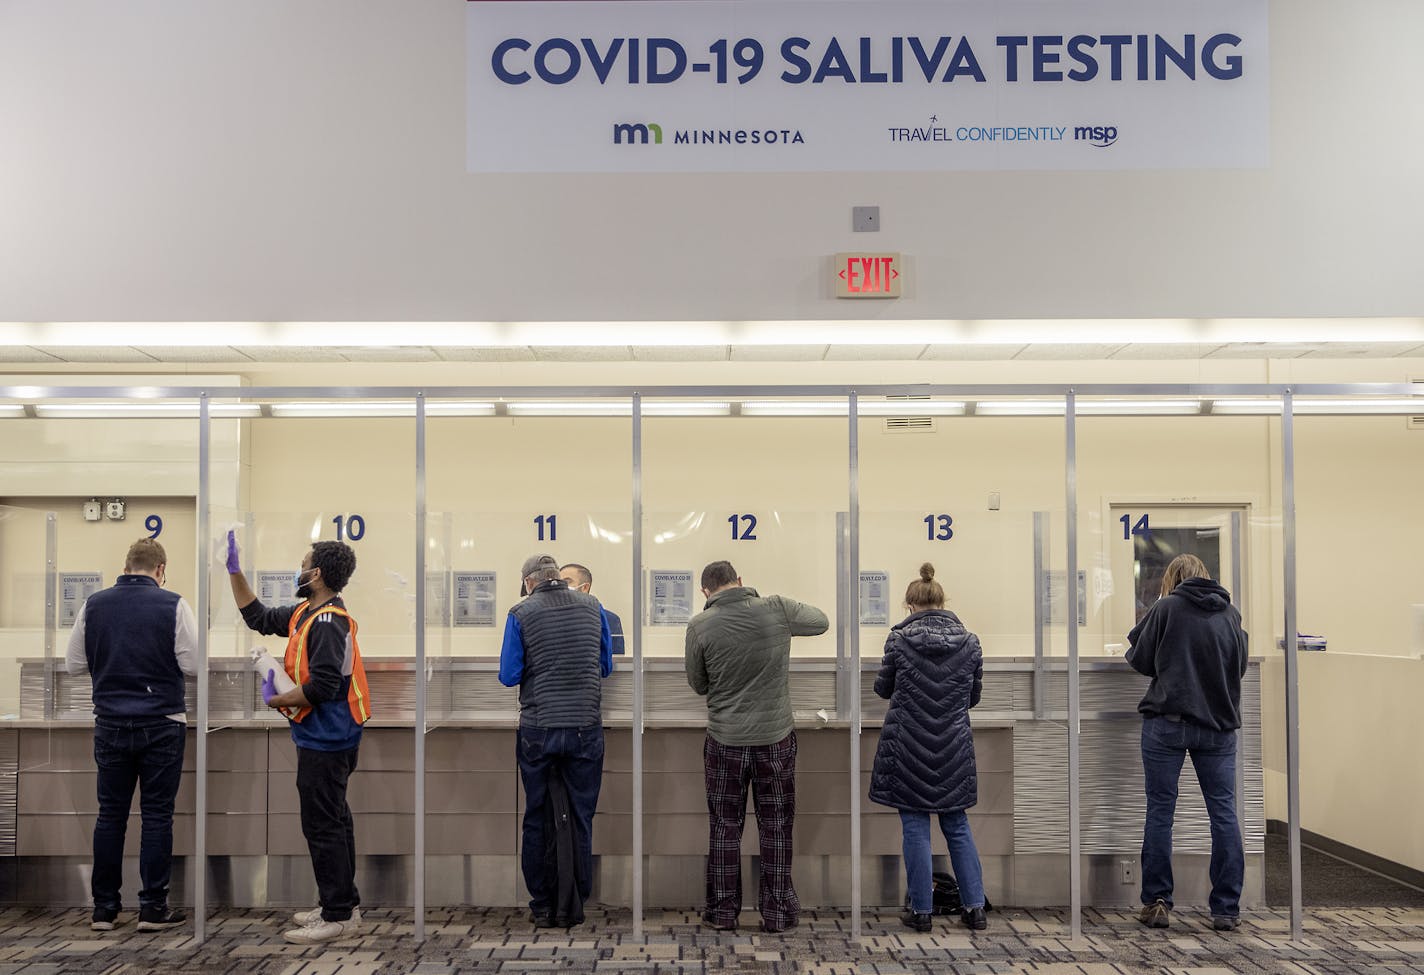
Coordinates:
[136,640]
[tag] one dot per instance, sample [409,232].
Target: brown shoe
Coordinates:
[1155,915]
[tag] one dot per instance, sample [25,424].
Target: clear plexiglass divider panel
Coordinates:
[32,649]
[768,492]
[537,478]
[1196,485]
[1360,626]
[978,496]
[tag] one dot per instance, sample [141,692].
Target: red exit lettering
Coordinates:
[869,275]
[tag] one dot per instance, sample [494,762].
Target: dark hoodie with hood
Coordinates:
[1192,646]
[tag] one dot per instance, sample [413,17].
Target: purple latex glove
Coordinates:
[233,567]
[269,688]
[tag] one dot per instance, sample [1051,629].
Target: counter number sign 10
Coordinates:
[349,528]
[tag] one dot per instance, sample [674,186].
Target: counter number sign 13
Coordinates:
[939,528]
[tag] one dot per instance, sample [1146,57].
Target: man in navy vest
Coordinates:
[136,640]
[557,650]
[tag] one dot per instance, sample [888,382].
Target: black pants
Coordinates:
[329,829]
[147,753]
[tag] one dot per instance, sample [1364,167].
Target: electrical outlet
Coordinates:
[1129,871]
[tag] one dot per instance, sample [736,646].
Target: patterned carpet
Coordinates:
[1379,941]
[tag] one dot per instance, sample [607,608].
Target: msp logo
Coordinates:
[637,133]
[1100,136]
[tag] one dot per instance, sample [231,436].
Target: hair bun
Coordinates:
[927,572]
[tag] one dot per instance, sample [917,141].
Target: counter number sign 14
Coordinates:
[1141,528]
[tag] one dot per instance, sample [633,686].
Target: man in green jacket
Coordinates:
[738,654]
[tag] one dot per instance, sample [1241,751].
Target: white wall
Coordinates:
[270,161]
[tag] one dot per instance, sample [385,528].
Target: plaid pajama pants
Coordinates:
[771,772]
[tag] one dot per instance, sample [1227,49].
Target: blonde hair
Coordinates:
[924,591]
[1182,568]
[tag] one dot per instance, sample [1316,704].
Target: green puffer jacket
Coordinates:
[738,654]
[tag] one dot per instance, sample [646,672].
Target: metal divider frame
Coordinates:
[1287,393]
[637,735]
[1070,615]
[853,652]
[418,873]
[200,762]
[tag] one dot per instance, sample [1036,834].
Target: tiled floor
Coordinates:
[1376,941]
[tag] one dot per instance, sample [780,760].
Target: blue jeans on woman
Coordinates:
[1165,744]
[919,861]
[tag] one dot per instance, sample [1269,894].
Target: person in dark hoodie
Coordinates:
[932,673]
[1193,647]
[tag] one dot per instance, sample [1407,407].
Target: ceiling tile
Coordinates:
[485,353]
[199,353]
[1363,350]
[873,353]
[778,353]
[291,353]
[393,353]
[973,353]
[1261,350]
[582,353]
[25,353]
[1166,350]
[100,353]
[1056,351]
[680,353]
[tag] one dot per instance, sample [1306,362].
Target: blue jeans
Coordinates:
[147,753]
[577,755]
[919,862]
[1165,744]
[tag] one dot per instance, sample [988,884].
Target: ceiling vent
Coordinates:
[909,424]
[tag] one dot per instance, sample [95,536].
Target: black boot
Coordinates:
[974,919]
[916,922]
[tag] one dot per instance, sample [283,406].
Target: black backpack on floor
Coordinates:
[946,896]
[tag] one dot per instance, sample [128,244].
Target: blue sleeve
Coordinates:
[605,645]
[511,655]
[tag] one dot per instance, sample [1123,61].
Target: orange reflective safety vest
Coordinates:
[358,698]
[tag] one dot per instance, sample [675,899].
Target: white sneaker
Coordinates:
[320,932]
[314,915]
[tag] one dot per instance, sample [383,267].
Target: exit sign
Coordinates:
[867,275]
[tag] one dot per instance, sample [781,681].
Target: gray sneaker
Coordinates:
[1225,922]
[1155,915]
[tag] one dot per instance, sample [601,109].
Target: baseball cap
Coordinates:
[533,564]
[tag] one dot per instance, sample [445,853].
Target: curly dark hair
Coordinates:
[336,561]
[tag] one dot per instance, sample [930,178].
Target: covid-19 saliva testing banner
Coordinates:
[871,85]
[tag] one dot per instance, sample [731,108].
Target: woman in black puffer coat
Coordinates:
[932,674]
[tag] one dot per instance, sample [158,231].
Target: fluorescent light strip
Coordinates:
[910,407]
[1137,407]
[1007,407]
[12,409]
[378,408]
[789,407]
[141,410]
[686,408]
[570,408]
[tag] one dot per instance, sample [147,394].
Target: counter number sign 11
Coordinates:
[550,522]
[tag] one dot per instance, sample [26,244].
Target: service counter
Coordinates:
[473,799]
